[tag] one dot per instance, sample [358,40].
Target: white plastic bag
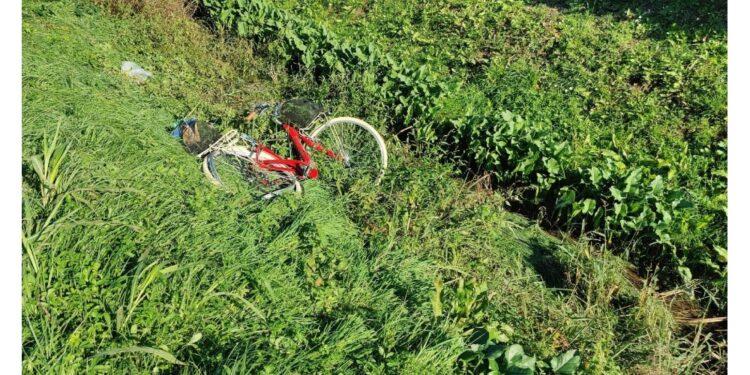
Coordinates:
[135,71]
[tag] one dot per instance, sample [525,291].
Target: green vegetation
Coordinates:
[614,125]
[134,263]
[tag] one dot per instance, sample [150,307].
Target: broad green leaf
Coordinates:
[616,193]
[619,209]
[494,351]
[611,154]
[507,116]
[196,337]
[666,216]
[513,353]
[685,272]
[681,204]
[566,363]
[596,175]
[339,66]
[552,165]
[514,370]
[721,253]
[298,43]
[468,355]
[589,205]
[633,178]
[657,186]
[566,198]
[523,365]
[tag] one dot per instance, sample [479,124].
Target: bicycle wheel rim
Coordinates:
[361,151]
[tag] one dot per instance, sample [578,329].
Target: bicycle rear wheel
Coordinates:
[233,168]
[361,151]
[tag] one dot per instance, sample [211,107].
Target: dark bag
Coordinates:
[197,136]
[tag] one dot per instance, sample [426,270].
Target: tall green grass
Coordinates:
[623,136]
[134,263]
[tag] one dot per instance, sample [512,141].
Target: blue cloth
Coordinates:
[177,132]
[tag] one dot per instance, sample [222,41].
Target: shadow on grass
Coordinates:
[544,261]
[695,18]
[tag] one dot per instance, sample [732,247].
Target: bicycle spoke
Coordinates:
[359,148]
[337,140]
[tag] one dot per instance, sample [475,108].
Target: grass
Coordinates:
[645,81]
[134,263]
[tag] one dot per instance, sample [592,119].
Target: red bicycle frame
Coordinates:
[303,167]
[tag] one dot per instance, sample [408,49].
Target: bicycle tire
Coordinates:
[373,169]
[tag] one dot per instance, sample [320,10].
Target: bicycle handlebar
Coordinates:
[262,107]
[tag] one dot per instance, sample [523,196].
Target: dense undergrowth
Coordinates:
[612,126]
[134,263]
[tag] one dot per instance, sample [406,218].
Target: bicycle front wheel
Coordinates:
[360,150]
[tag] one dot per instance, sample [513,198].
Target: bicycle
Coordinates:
[354,150]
